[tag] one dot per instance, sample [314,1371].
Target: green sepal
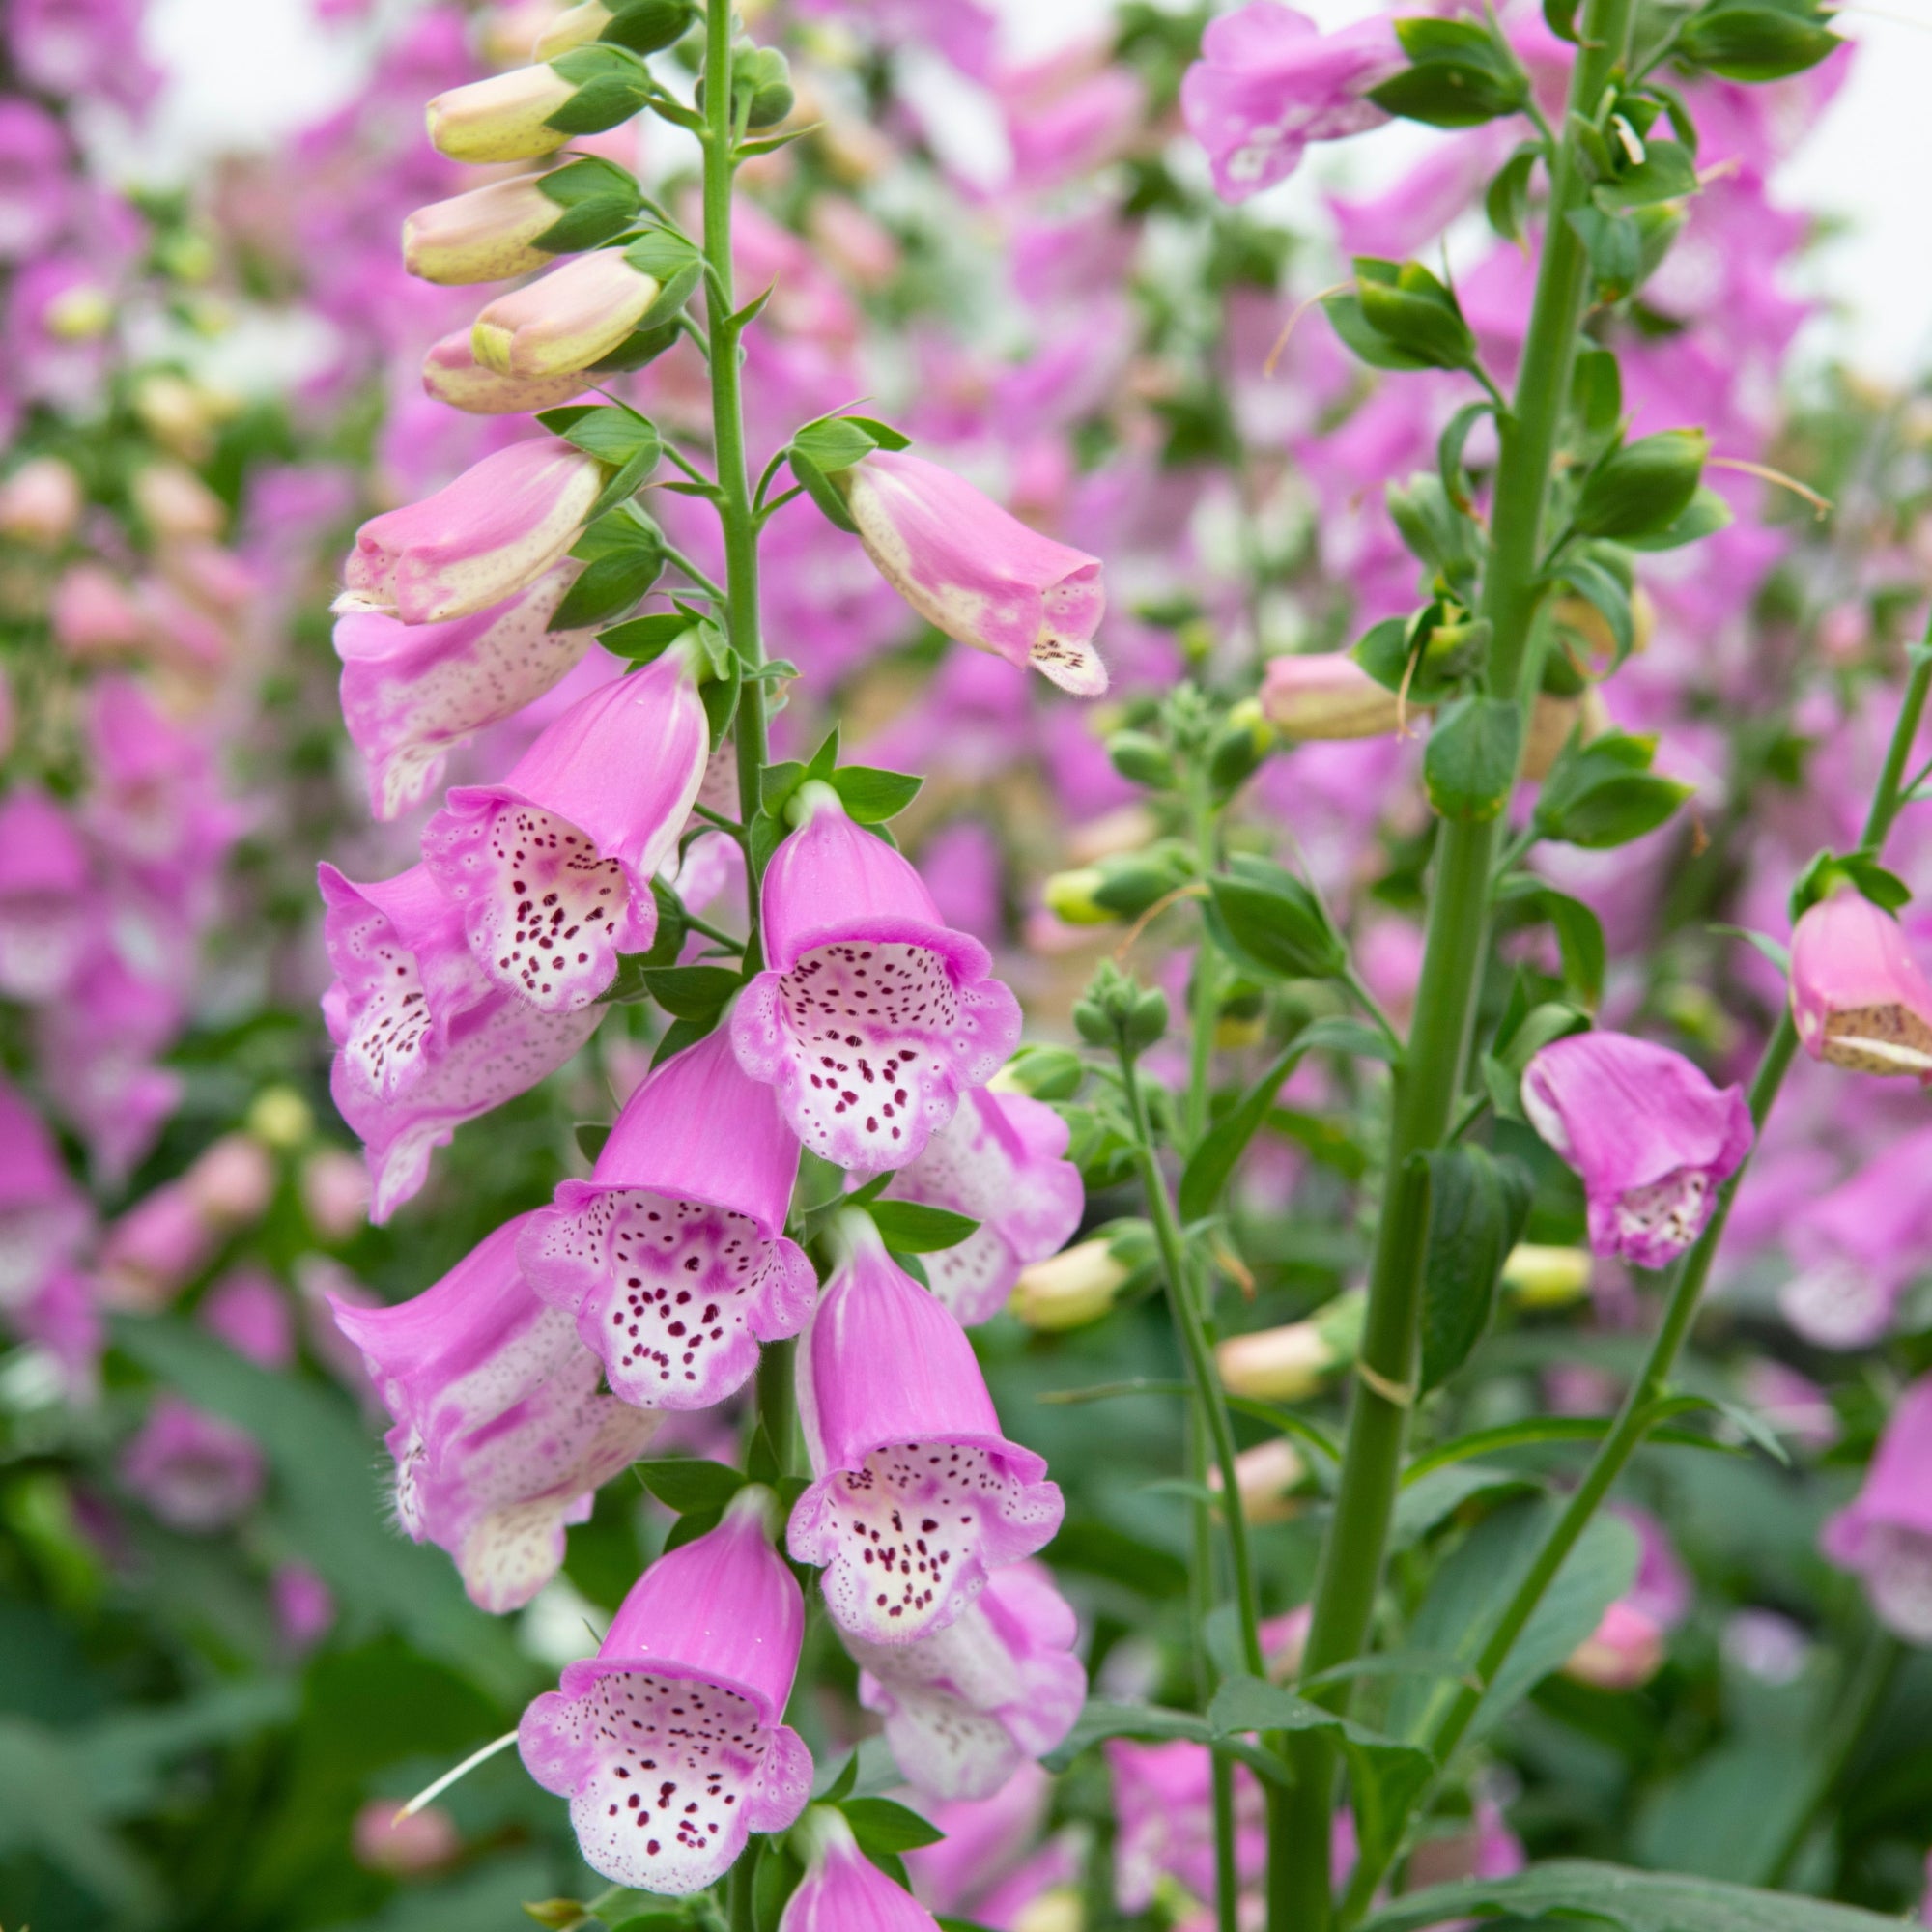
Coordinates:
[1470,763]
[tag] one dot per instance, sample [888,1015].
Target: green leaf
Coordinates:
[624,557]
[1772,949]
[645,639]
[1561,17]
[691,1526]
[691,992]
[1410,308]
[1597,390]
[611,84]
[1705,513]
[1349,321]
[1750,42]
[881,1826]
[833,442]
[822,491]
[1506,201]
[595,200]
[1477,1205]
[1667,173]
[1447,94]
[1579,933]
[911,1228]
[1607,593]
[647,26]
[612,432]
[1638,1901]
[1604,794]
[684,1483]
[1470,763]
[1644,487]
[871,795]
[1269,920]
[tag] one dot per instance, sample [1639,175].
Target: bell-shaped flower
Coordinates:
[565,319]
[977,573]
[552,865]
[672,1256]
[873,1016]
[43,1216]
[670,1742]
[998,1160]
[502,1432]
[451,374]
[998,1687]
[1885,1535]
[1268,82]
[1650,1136]
[1858,996]
[411,693]
[918,1496]
[423,1040]
[1860,1246]
[497,528]
[842,1889]
[47,922]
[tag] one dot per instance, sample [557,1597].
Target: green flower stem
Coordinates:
[1430,1078]
[1201,1595]
[1686,1281]
[1186,1314]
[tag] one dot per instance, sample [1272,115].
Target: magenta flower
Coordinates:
[553,866]
[423,1040]
[46,914]
[917,1494]
[843,1890]
[669,1743]
[1857,995]
[1860,1246]
[36,192]
[495,530]
[672,1256]
[998,1160]
[998,1687]
[197,1472]
[1267,83]
[502,1435]
[873,1016]
[1886,1535]
[411,693]
[976,573]
[1651,1137]
[1163,1803]
[451,374]
[43,1216]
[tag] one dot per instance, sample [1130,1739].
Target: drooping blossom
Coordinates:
[46,890]
[977,573]
[495,530]
[672,1256]
[411,693]
[1858,996]
[451,374]
[1650,1136]
[1164,1812]
[43,1216]
[198,1472]
[1886,1534]
[502,1434]
[967,1706]
[842,1889]
[1268,82]
[423,1040]
[552,865]
[918,1496]
[669,1743]
[872,1017]
[1859,1245]
[1000,1161]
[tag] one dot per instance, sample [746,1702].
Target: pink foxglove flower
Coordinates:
[486,234]
[497,528]
[1886,1534]
[411,693]
[423,1040]
[502,1434]
[873,1016]
[1651,1137]
[1857,995]
[197,1472]
[566,320]
[986,1840]
[553,866]
[41,502]
[44,1217]
[672,1256]
[45,918]
[1327,694]
[1000,1160]
[1164,1805]
[843,1890]
[1267,83]
[451,374]
[1858,1246]
[669,1743]
[999,1686]
[976,573]
[918,1496]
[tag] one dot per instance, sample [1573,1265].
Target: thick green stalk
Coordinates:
[1686,1286]
[727,435]
[1430,1079]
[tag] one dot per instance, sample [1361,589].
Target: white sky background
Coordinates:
[245,71]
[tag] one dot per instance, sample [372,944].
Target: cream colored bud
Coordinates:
[1056,1911]
[452,375]
[80,314]
[280,1118]
[1552,719]
[566,320]
[1327,694]
[1266,1476]
[575,27]
[484,236]
[175,502]
[1071,1289]
[232,1182]
[1545,1277]
[178,412]
[1290,1363]
[41,502]
[502,119]
[1069,896]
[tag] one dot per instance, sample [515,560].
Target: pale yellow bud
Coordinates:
[574,27]
[1071,1289]
[1327,694]
[1056,1911]
[41,502]
[1545,1277]
[280,1118]
[80,314]
[1290,1363]
[484,236]
[1266,1477]
[502,119]
[1552,719]
[1069,896]
[175,502]
[566,320]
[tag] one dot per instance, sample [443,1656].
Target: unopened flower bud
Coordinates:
[41,502]
[1041,1073]
[82,313]
[1327,694]
[1070,895]
[178,412]
[1545,1277]
[1291,1363]
[384,1842]
[1141,760]
[1239,747]
[1060,1910]
[505,118]
[1266,1476]
[335,1192]
[175,502]
[1624,1652]
[232,1182]
[280,1118]
[1551,720]
[452,375]
[1858,996]
[566,320]
[495,231]
[642,25]
[1071,1289]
